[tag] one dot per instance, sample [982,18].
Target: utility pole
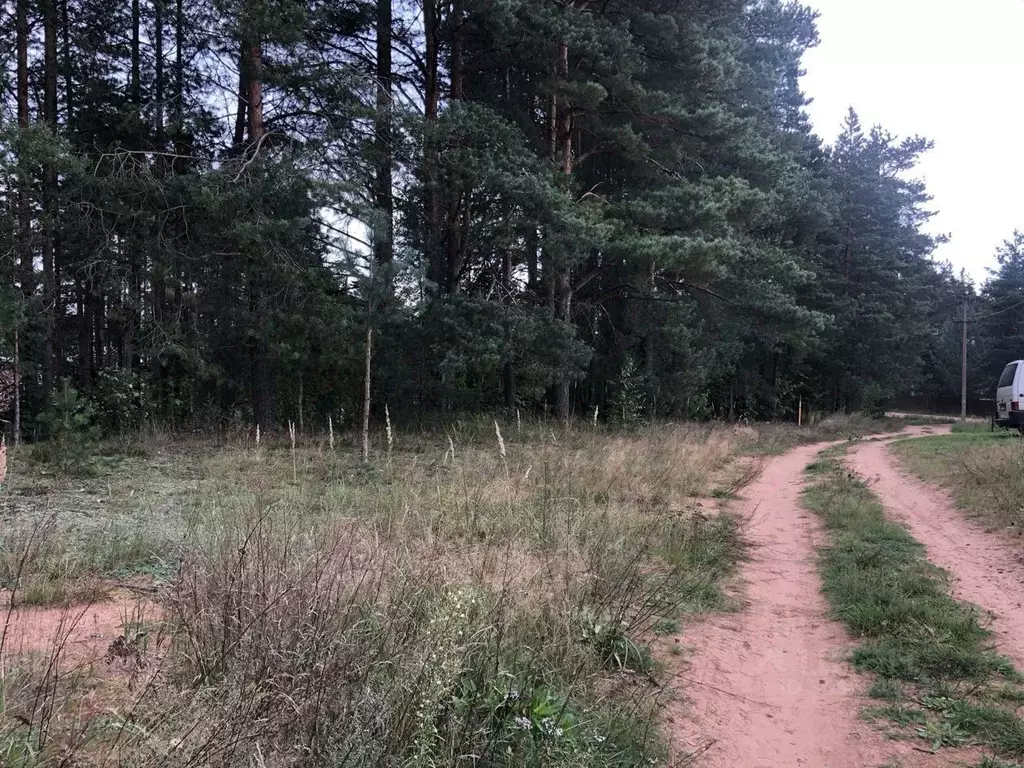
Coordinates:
[963,368]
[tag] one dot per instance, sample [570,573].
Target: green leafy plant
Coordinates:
[616,649]
[941,734]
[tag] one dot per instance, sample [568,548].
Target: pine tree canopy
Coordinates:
[210,206]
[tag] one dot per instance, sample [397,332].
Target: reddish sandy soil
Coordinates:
[83,632]
[69,645]
[767,687]
[985,568]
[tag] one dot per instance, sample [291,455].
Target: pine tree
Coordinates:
[210,209]
[1001,312]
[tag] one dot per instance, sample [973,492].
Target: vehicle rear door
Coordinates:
[1005,392]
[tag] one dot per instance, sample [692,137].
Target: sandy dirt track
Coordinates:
[985,568]
[768,686]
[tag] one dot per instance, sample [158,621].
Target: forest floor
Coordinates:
[545,594]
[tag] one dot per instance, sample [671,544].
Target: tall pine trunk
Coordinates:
[431,100]
[158,269]
[457,221]
[367,389]
[560,282]
[133,311]
[383,239]
[98,336]
[532,274]
[60,254]
[179,74]
[16,437]
[158,44]
[509,372]
[27,268]
[68,80]
[262,370]
[23,244]
[240,110]
[254,91]
[84,334]
[136,65]
[50,297]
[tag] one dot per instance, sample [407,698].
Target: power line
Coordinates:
[999,312]
[992,314]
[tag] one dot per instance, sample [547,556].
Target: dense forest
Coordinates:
[237,211]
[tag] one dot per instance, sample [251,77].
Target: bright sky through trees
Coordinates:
[950,71]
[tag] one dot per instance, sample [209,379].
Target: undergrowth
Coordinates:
[931,655]
[463,599]
[460,602]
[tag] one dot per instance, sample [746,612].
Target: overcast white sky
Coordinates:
[950,70]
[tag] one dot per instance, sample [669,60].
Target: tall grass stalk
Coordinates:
[501,448]
[291,436]
[389,433]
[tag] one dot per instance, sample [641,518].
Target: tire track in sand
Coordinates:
[768,686]
[984,568]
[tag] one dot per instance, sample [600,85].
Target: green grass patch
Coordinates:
[900,714]
[702,552]
[60,592]
[930,654]
[886,689]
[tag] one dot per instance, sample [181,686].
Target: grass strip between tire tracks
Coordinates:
[937,676]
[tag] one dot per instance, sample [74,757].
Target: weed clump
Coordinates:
[467,595]
[357,655]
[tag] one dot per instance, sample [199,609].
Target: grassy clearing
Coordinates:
[983,470]
[123,518]
[930,654]
[88,526]
[463,599]
[456,602]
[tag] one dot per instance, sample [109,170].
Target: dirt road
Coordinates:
[768,686]
[985,569]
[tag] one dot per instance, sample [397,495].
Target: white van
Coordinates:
[1010,396]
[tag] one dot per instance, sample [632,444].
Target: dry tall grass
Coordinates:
[984,471]
[477,597]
